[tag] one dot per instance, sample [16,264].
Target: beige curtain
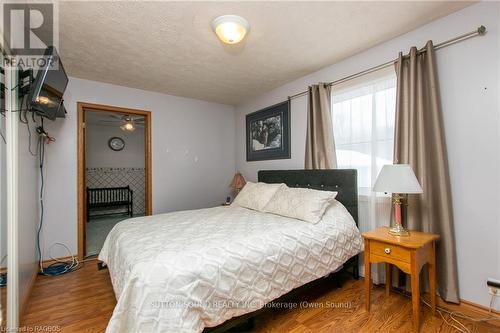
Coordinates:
[320,145]
[419,141]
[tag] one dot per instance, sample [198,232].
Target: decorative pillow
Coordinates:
[336,209]
[300,203]
[256,195]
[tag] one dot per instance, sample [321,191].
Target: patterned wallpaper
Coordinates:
[116,177]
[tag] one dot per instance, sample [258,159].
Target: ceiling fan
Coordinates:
[127,123]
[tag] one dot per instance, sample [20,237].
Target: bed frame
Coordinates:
[343,181]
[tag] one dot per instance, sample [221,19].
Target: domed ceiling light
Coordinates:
[231,29]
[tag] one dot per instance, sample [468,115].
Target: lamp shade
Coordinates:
[238,181]
[231,29]
[397,178]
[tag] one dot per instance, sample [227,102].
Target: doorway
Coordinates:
[114,171]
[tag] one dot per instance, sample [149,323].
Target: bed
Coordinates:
[190,270]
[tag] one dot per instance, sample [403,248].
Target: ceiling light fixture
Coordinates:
[128,124]
[231,29]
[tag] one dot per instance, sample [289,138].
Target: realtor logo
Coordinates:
[29,28]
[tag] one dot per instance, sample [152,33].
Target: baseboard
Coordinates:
[468,305]
[463,306]
[480,308]
[45,262]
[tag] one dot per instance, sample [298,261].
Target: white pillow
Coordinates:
[300,203]
[256,195]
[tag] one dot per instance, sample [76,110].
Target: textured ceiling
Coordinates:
[169,47]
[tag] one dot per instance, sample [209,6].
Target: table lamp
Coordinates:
[397,179]
[238,182]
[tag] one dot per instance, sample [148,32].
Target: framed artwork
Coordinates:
[268,133]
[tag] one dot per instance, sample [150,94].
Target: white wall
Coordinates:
[192,154]
[99,155]
[29,209]
[469,84]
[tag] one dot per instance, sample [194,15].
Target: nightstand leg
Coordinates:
[388,275]
[432,278]
[415,296]
[368,275]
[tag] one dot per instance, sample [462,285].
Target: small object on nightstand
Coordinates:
[228,201]
[409,254]
[397,179]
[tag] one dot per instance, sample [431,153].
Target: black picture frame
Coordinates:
[269,148]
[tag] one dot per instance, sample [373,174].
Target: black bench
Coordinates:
[110,197]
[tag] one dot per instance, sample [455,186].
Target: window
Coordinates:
[363,119]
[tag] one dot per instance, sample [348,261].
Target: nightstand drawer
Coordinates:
[390,251]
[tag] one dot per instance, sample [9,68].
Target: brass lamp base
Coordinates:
[399,230]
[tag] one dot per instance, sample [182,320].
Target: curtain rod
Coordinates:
[478,32]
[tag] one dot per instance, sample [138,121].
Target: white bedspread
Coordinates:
[183,271]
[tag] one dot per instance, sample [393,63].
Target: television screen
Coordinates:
[46,94]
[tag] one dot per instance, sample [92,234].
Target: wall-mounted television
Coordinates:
[46,93]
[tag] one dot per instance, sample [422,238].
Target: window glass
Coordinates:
[363,119]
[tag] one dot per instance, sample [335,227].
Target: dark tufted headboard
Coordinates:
[343,181]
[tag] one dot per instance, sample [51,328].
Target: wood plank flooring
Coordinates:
[3,302]
[83,301]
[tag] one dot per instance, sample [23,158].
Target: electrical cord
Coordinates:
[41,157]
[29,139]
[23,118]
[3,111]
[3,137]
[23,112]
[1,127]
[58,267]
[27,123]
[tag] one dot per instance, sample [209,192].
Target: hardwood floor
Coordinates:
[83,301]
[3,303]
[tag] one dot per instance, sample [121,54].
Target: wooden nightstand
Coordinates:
[409,254]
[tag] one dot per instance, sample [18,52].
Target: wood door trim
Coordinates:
[81,108]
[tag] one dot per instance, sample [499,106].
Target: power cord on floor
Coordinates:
[453,316]
[59,267]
